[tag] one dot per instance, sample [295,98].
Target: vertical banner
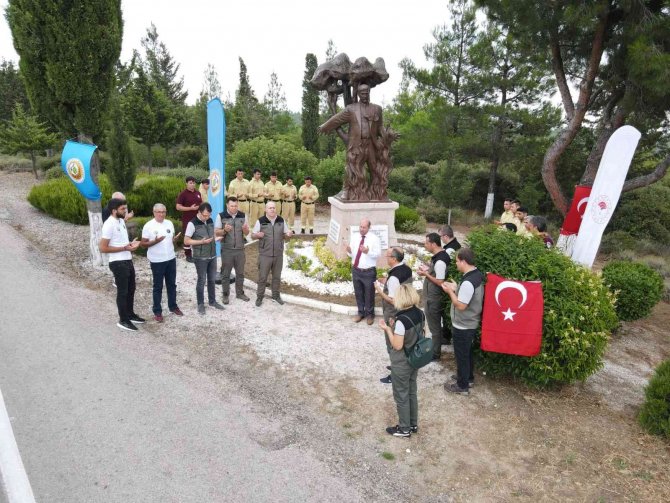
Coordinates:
[76,163]
[605,193]
[573,220]
[216,144]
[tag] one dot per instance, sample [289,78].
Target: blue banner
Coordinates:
[216,143]
[76,163]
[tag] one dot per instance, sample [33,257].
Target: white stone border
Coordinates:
[13,475]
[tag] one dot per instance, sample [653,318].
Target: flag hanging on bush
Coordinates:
[512,318]
[76,163]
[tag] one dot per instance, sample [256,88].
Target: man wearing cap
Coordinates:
[204,189]
[239,188]
[308,195]
[289,195]
[273,191]
[256,198]
[188,202]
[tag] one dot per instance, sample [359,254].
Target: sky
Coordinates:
[274,36]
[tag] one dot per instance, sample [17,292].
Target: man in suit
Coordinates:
[363,144]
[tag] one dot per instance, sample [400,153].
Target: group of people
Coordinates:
[515,218]
[403,319]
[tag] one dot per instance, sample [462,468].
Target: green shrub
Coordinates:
[412,227]
[46,163]
[655,412]
[401,198]
[614,242]
[638,288]
[54,172]
[329,175]
[578,309]
[405,216]
[432,210]
[61,199]
[189,155]
[156,189]
[182,172]
[645,214]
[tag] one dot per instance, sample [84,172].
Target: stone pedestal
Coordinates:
[345,217]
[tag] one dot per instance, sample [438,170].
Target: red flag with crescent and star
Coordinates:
[573,219]
[512,318]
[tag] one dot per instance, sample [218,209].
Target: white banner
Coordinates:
[605,193]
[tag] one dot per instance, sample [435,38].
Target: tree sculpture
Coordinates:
[368,141]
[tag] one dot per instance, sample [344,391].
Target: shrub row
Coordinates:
[637,286]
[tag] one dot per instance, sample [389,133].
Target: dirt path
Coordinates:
[504,442]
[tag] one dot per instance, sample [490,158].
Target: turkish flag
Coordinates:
[512,319]
[573,220]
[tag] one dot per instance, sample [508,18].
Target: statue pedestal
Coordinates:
[345,218]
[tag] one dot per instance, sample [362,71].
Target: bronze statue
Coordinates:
[368,141]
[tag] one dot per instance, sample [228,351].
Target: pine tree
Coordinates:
[162,68]
[12,90]
[68,53]
[329,141]
[275,99]
[122,169]
[26,135]
[310,107]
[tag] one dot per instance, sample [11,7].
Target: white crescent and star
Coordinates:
[579,205]
[504,285]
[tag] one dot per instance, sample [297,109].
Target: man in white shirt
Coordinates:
[115,242]
[158,237]
[364,251]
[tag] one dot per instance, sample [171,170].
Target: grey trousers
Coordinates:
[265,266]
[433,311]
[232,259]
[206,269]
[403,380]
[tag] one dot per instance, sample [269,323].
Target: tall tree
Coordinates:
[249,117]
[616,55]
[162,68]
[68,51]
[211,88]
[122,170]
[275,99]
[329,141]
[12,90]
[310,107]
[26,135]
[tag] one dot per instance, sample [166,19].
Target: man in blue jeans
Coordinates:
[115,242]
[467,301]
[158,237]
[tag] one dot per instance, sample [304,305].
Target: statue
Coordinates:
[368,141]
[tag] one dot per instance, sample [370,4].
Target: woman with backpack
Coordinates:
[402,333]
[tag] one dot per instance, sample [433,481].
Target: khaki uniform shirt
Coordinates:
[273,190]
[507,217]
[256,190]
[238,189]
[308,194]
[289,193]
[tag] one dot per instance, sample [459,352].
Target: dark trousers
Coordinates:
[364,289]
[403,381]
[124,277]
[433,311]
[206,269]
[265,266]
[164,272]
[464,354]
[232,259]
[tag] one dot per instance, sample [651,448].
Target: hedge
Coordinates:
[654,415]
[637,286]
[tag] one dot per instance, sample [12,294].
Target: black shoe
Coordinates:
[189,259]
[471,382]
[414,429]
[454,388]
[397,431]
[226,299]
[136,319]
[216,305]
[278,300]
[243,297]
[303,230]
[388,367]
[311,231]
[386,380]
[127,325]
[259,301]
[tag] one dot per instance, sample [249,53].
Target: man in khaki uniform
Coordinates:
[256,198]
[289,195]
[308,195]
[273,191]
[239,188]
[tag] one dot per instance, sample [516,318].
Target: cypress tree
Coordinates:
[122,170]
[310,107]
[68,51]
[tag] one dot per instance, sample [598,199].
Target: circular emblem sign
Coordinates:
[602,209]
[215,182]
[75,170]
